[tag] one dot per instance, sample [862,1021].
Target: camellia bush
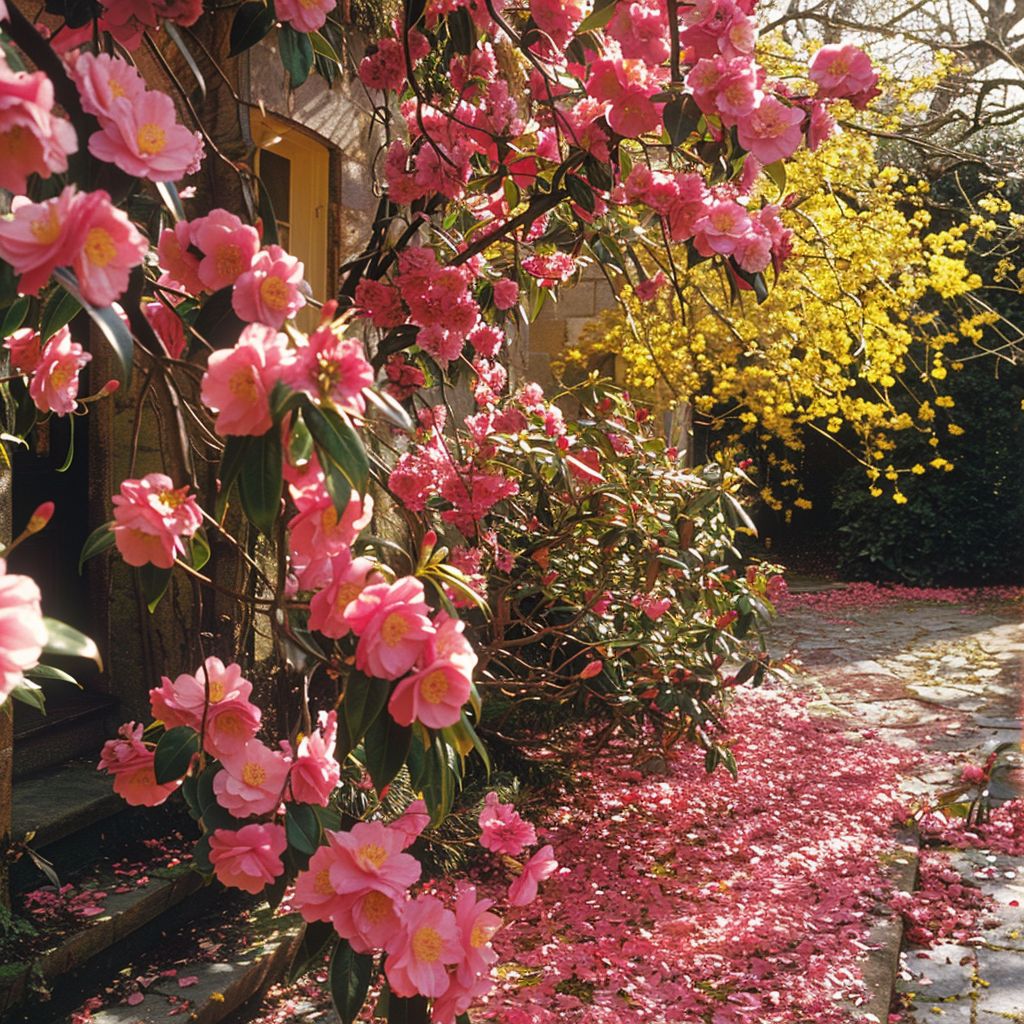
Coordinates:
[581,563]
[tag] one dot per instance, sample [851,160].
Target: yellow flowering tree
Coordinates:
[873,310]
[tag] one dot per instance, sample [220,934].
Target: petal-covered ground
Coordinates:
[696,898]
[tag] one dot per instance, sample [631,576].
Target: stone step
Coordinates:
[216,964]
[68,813]
[75,725]
[110,927]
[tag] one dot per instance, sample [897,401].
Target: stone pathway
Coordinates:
[940,677]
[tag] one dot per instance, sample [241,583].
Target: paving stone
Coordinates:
[947,972]
[1003,971]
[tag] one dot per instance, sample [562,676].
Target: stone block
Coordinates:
[547,337]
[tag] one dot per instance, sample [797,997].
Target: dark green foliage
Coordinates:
[959,527]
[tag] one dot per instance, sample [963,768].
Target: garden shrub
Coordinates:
[961,525]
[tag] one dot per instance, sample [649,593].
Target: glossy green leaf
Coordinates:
[296,54]
[217,323]
[349,978]
[65,640]
[252,22]
[15,316]
[364,701]
[96,543]
[31,694]
[172,31]
[154,582]
[408,1011]
[302,828]
[260,481]
[598,18]
[337,439]
[198,551]
[59,311]
[236,452]
[387,744]
[49,672]
[174,753]
[777,173]
[681,117]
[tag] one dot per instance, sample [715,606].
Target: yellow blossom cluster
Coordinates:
[859,327]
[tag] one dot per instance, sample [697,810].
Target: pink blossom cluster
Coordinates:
[128,20]
[52,368]
[33,140]
[130,760]
[22,630]
[220,251]
[153,519]
[139,130]
[80,230]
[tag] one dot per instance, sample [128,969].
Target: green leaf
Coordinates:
[252,22]
[59,311]
[386,744]
[97,542]
[154,582]
[777,173]
[601,15]
[364,701]
[217,323]
[172,30]
[174,753]
[15,316]
[236,452]
[296,54]
[462,31]
[302,828]
[201,855]
[389,408]
[438,782]
[322,48]
[260,481]
[198,551]
[580,192]
[315,939]
[64,640]
[111,326]
[49,672]
[349,978]
[69,458]
[31,694]
[169,192]
[681,116]
[337,439]
[407,1011]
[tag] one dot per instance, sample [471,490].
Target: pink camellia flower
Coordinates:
[502,829]
[142,136]
[228,247]
[252,780]
[22,632]
[419,954]
[231,718]
[167,326]
[540,866]
[646,289]
[414,819]
[238,381]
[130,761]
[332,369]
[24,346]
[458,998]
[349,577]
[111,246]
[151,519]
[506,293]
[844,71]
[249,859]
[318,536]
[32,139]
[370,856]
[40,237]
[378,300]
[772,132]
[476,929]
[304,15]
[103,79]
[268,292]
[433,695]
[392,623]
[181,265]
[315,773]
[315,898]
[973,774]
[54,383]
[369,920]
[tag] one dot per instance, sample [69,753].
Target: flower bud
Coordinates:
[42,515]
